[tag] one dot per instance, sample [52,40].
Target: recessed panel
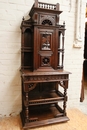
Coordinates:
[45,41]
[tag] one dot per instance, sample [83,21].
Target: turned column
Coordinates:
[65,96]
[26,108]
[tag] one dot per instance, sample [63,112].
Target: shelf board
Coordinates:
[26,67]
[44,112]
[43,115]
[26,49]
[37,98]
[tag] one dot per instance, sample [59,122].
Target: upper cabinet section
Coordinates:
[42,38]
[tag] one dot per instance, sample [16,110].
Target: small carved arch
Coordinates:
[47,20]
[26,30]
[28,37]
[32,86]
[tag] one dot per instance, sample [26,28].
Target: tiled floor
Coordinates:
[78,121]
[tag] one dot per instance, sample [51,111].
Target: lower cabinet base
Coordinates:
[37,123]
[43,102]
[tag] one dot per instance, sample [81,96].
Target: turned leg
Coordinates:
[65,99]
[27,114]
[65,96]
[27,109]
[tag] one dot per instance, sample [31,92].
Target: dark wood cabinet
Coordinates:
[42,55]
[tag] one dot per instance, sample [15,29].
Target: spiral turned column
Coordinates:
[65,96]
[26,109]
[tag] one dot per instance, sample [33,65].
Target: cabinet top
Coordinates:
[45,7]
[56,72]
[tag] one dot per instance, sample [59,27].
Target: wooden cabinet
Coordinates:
[42,54]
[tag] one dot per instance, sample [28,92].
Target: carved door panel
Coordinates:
[46,48]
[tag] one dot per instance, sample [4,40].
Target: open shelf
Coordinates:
[43,112]
[38,98]
[26,49]
[43,115]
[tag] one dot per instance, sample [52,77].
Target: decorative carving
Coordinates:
[45,61]
[46,77]
[33,119]
[32,86]
[47,20]
[61,83]
[46,39]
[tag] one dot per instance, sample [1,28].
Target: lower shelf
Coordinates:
[43,115]
[44,112]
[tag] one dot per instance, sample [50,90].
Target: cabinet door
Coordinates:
[45,48]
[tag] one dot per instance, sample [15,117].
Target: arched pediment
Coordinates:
[47,20]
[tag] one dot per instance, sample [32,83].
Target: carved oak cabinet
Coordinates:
[42,55]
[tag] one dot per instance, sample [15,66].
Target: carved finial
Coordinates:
[23,18]
[36,3]
[64,23]
[57,6]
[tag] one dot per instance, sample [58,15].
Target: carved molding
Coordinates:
[45,78]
